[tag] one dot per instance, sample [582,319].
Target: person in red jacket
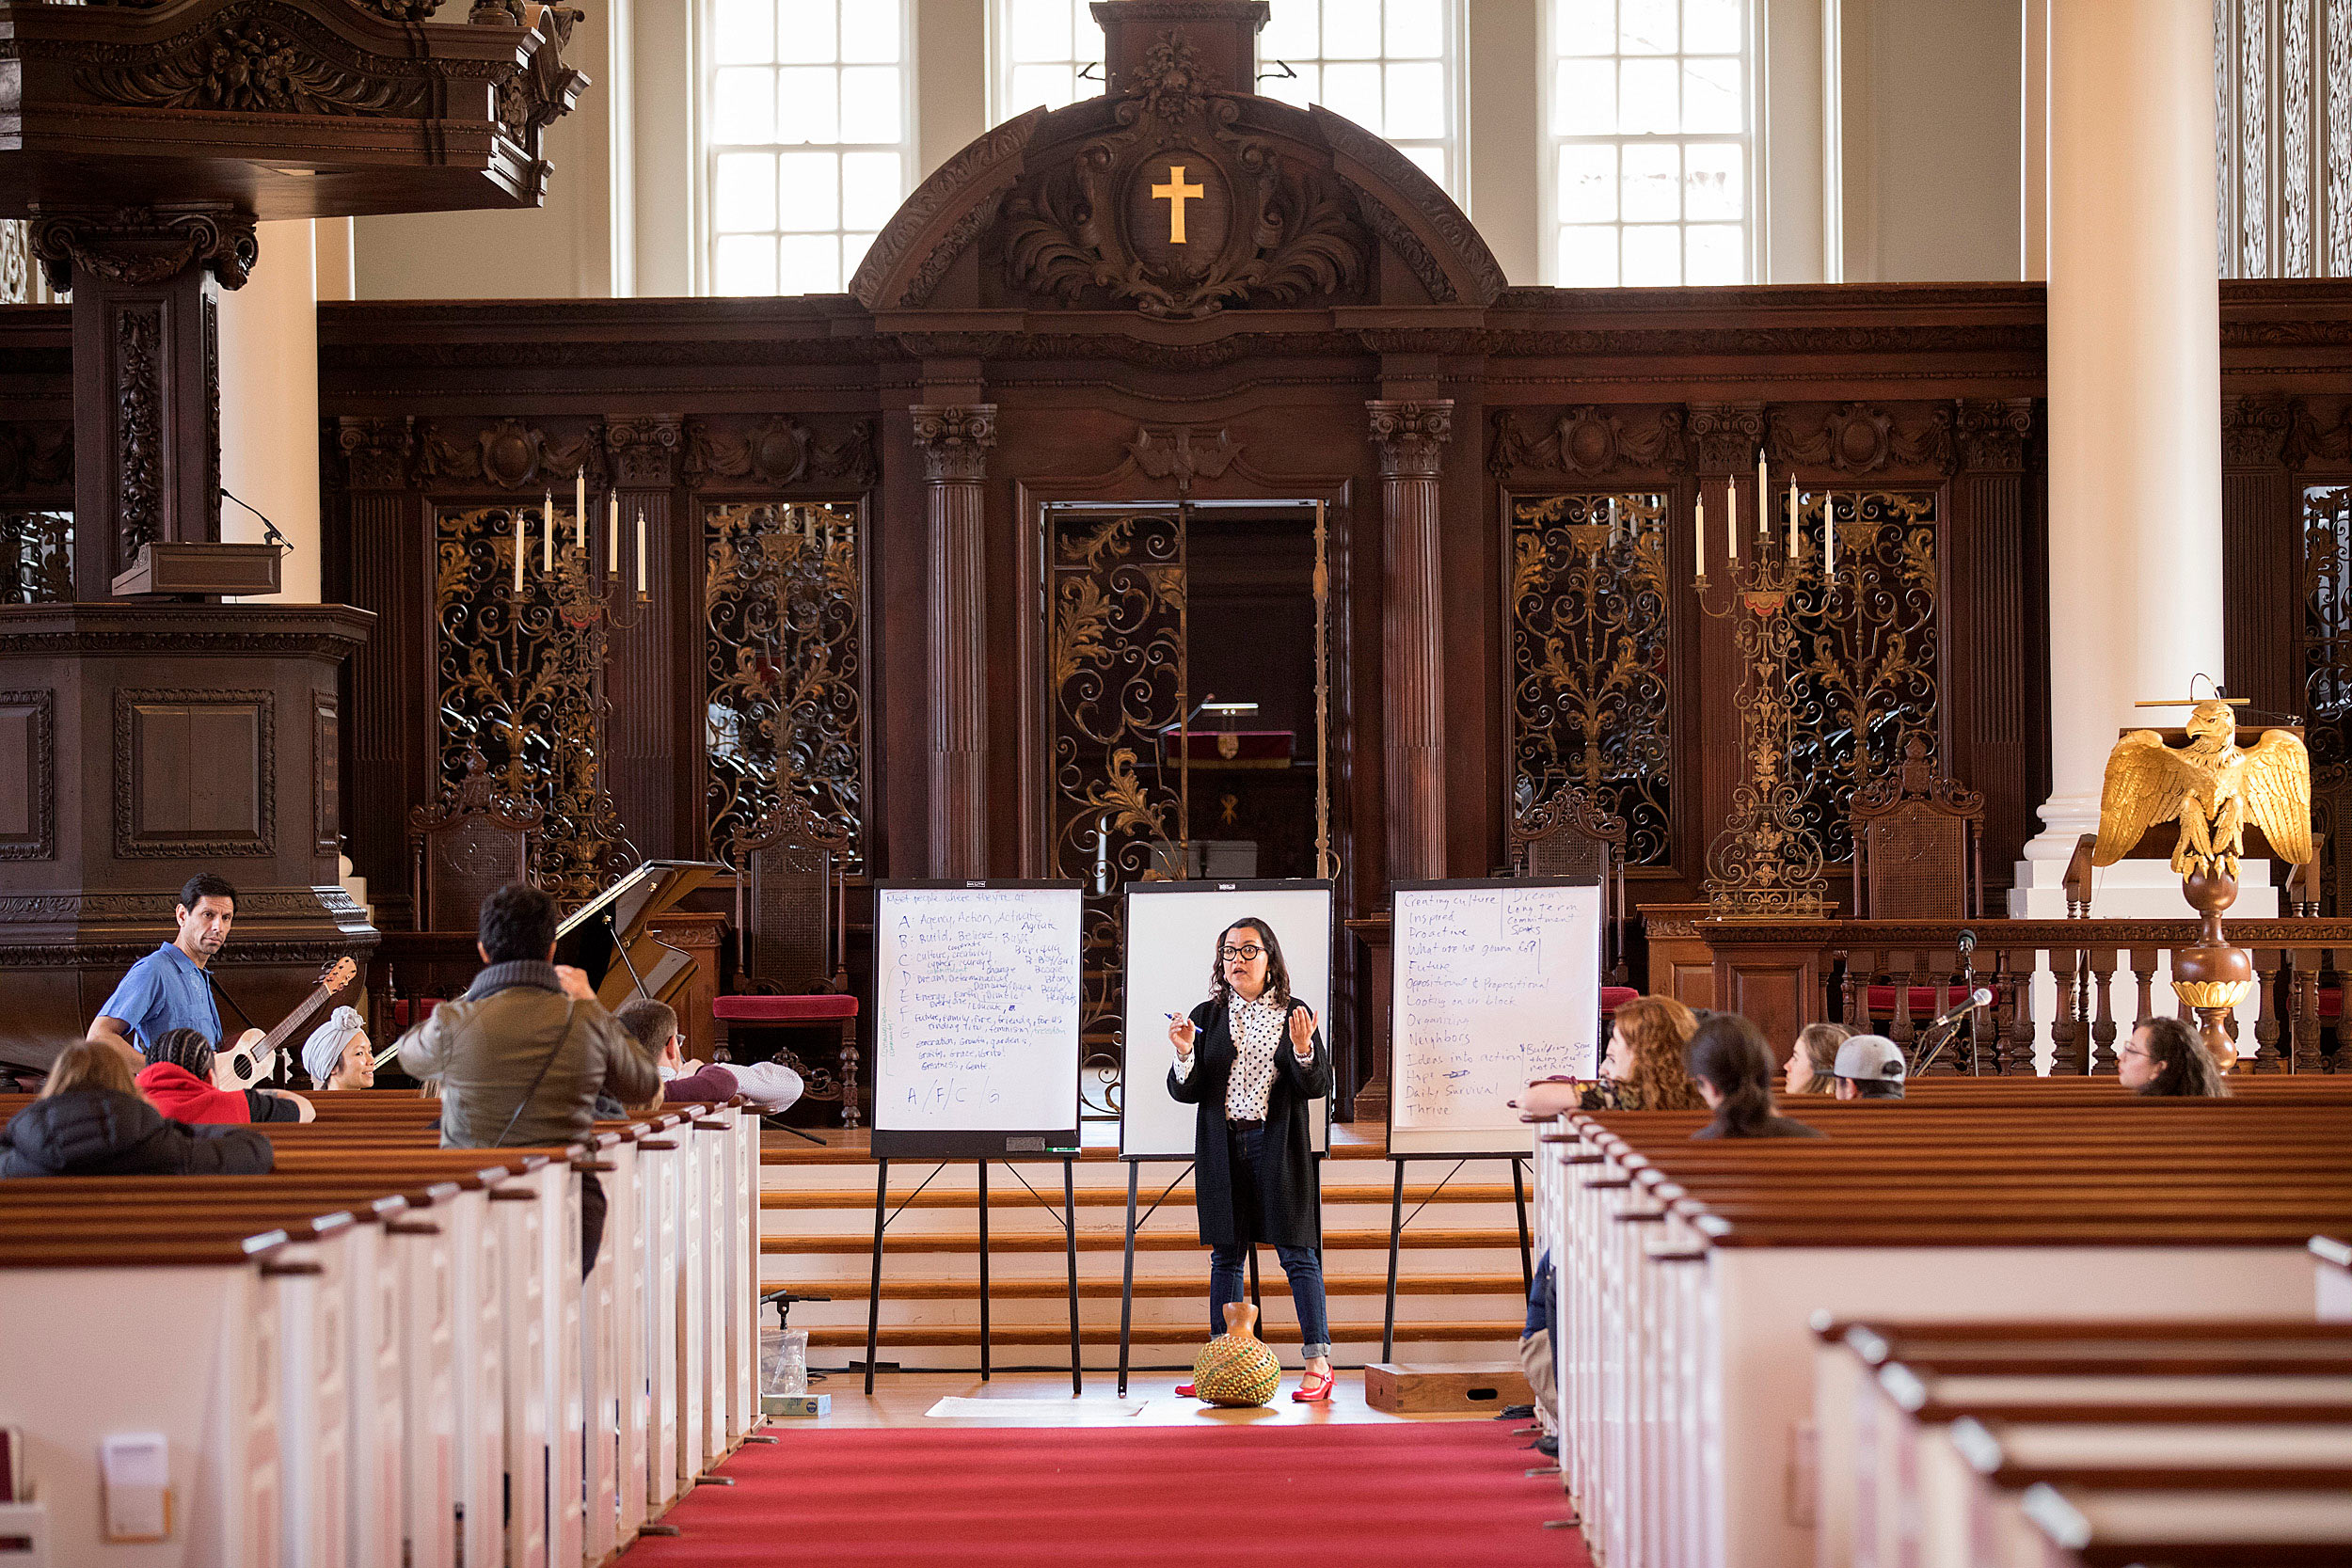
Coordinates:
[178,1080]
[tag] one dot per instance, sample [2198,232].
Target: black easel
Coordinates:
[883,1215]
[1398,1219]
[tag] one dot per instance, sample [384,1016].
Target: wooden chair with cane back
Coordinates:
[474,840]
[1918,844]
[791,970]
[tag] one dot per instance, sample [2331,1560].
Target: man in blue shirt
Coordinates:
[168,989]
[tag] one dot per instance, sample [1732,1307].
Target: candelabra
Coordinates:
[1766,864]
[559,709]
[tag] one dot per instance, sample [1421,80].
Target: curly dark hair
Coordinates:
[2185,1068]
[1278,975]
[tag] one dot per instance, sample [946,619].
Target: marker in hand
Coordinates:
[1180,1033]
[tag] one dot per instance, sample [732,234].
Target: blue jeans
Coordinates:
[1228,1281]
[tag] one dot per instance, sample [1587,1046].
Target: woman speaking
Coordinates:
[1252,1060]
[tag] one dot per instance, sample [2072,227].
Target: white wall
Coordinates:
[1891,127]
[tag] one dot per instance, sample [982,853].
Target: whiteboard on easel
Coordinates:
[1495,983]
[976,1020]
[1172,932]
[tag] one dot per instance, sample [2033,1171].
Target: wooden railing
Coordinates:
[1896,974]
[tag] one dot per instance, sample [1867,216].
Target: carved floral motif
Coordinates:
[954,441]
[1411,435]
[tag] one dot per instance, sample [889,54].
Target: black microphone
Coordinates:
[1967,943]
[1981,997]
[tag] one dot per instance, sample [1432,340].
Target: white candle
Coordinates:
[1699,534]
[547,532]
[1613,522]
[1731,519]
[1829,534]
[1763,494]
[613,536]
[580,509]
[641,552]
[1792,517]
[519,549]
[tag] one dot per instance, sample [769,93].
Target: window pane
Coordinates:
[1351,29]
[854,249]
[804,30]
[1646,26]
[1587,94]
[1430,159]
[1715,254]
[1588,255]
[1710,95]
[870,110]
[809,265]
[1053,85]
[743,32]
[1588,182]
[746,264]
[1648,89]
[1713,183]
[1653,254]
[1415,29]
[1711,26]
[1353,91]
[871,189]
[1416,101]
[810,111]
[745,105]
[1585,27]
[1290,32]
[808,186]
[869,30]
[744,192]
[1041,30]
[1653,182]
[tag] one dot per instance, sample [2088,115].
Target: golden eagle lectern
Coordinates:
[2213,788]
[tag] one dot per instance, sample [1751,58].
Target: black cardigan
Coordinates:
[1287,1194]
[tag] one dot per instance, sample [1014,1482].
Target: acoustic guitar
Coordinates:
[246,1062]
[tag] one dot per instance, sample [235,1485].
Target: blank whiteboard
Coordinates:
[1172,930]
[1495,983]
[976,1019]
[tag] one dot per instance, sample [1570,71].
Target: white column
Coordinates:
[269,404]
[2135,387]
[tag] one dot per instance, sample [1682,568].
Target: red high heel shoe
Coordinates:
[1184,1392]
[1309,1392]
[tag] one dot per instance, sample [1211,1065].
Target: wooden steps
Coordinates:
[861,1243]
[1054,1287]
[1056,1336]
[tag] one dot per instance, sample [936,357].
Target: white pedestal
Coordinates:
[2128,890]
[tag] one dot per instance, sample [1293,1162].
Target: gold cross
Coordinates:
[1176,192]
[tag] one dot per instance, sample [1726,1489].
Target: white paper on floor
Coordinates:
[1002,1408]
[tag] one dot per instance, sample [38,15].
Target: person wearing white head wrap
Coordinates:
[338,1054]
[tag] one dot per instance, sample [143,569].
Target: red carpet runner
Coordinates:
[1419,1494]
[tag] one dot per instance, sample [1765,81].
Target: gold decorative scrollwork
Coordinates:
[36,557]
[1864,678]
[1589,641]
[784,666]
[521,680]
[1117,664]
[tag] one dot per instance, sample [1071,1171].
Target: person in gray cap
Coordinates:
[339,1055]
[1869,1066]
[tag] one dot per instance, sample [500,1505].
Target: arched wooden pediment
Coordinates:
[1178,201]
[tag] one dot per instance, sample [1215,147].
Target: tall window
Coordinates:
[808,139]
[1389,65]
[1653,116]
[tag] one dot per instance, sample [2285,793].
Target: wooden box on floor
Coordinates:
[1401,1389]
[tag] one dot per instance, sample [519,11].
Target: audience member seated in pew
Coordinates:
[524,1054]
[339,1055]
[1734,1069]
[2166,1057]
[178,1080]
[770,1086]
[91,1121]
[1812,1065]
[1642,1070]
[1869,1066]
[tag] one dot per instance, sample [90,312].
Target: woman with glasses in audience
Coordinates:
[1252,1061]
[2165,1058]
